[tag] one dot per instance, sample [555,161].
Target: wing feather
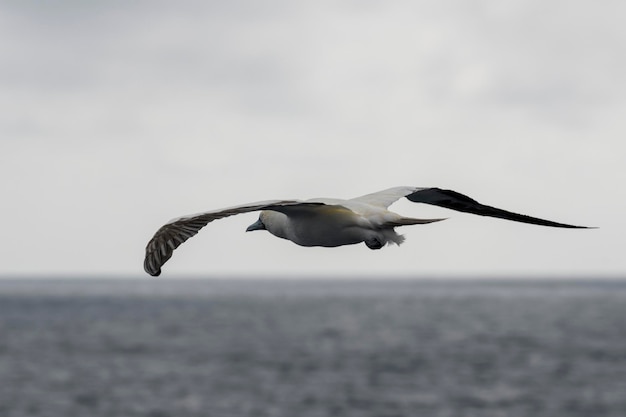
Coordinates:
[385,198]
[456,201]
[170,236]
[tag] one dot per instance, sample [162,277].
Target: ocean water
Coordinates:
[176,348]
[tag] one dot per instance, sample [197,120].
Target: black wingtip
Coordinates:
[460,202]
[571,226]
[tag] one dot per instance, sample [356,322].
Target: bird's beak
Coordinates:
[258,225]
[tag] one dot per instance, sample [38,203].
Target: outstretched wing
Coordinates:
[161,247]
[460,202]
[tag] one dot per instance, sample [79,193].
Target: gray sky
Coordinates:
[116,117]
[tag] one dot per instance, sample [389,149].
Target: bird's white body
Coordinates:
[338,222]
[328,226]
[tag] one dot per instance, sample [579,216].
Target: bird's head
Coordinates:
[258,225]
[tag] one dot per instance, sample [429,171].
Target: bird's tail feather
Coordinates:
[408,221]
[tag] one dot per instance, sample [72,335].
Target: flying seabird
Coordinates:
[329,222]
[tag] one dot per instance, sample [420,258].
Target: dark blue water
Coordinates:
[296,349]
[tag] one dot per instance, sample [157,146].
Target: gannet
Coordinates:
[329,222]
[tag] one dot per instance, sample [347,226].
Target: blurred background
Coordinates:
[118,116]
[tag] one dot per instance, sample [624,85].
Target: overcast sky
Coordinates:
[117,116]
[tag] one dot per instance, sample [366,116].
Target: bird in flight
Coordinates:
[329,222]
